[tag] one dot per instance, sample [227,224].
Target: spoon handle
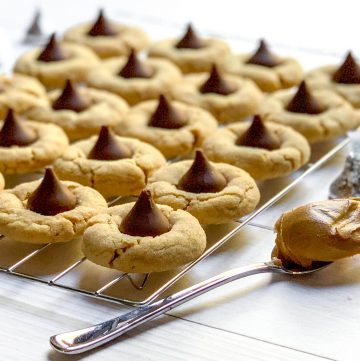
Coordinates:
[86,339]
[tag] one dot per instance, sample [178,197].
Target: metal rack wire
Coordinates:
[138,282]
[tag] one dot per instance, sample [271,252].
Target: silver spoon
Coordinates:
[79,341]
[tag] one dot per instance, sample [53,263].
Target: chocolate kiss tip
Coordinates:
[102,27]
[70,99]
[51,196]
[190,40]
[52,51]
[216,84]
[257,136]
[263,56]
[202,177]
[34,28]
[348,72]
[107,147]
[145,218]
[13,132]
[134,68]
[304,102]
[165,116]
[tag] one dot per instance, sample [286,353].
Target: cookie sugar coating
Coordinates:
[106,245]
[238,198]
[126,176]
[293,151]
[171,142]
[19,223]
[134,90]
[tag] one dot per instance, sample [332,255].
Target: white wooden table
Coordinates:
[259,318]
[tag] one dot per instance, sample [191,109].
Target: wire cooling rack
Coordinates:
[63,265]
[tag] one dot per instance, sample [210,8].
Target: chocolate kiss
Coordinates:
[34,28]
[190,40]
[258,136]
[166,116]
[13,132]
[134,68]
[107,147]
[202,177]
[102,27]
[263,56]
[145,218]
[304,102]
[51,196]
[216,84]
[52,51]
[348,72]
[70,99]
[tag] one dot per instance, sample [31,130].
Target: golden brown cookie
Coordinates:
[27,146]
[80,111]
[2,182]
[268,71]
[20,93]
[19,222]
[57,62]
[228,98]
[116,169]
[277,153]
[222,193]
[173,127]
[106,243]
[343,79]
[133,79]
[318,115]
[191,53]
[108,39]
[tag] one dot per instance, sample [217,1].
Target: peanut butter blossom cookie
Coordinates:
[228,98]
[143,237]
[212,192]
[57,62]
[191,53]
[20,93]
[264,150]
[107,38]
[110,164]
[174,128]
[27,146]
[133,79]
[317,114]
[47,210]
[345,79]
[80,111]
[270,72]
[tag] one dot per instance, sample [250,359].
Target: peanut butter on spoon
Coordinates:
[70,99]
[202,177]
[52,51]
[102,27]
[145,218]
[15,133]
[135,68]
[190,40]
[51,196]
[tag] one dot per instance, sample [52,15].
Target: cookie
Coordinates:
[19,222]
[174,128]
[57,62]
[111,171]
[107,39]
[20,93]
[106,243]
[135,80]
[80,111]
[265,152]
[213,199]
[318,115]
[343,79]
[228,98]
[269,72]
[27,146]
[191,53]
